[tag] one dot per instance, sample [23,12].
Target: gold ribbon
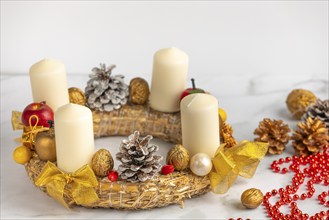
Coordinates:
[240,160]
[80,184]
[29,132]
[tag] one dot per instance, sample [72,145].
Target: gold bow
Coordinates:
[242,159]
[80,184]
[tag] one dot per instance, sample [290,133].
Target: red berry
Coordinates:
[113,176]
[166,169]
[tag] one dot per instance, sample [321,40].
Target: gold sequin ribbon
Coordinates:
[80,184]
[239,160]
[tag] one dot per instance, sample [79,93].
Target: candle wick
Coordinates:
[193,83]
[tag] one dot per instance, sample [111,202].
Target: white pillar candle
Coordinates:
[200,123]
[170,66]
[74,137]
[49,83]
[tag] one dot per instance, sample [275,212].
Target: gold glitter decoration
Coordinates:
[252,198]
[139,91]
[102,162]
[298,100]
[179,157]
[77,96]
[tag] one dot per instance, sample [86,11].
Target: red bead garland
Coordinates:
[317,172]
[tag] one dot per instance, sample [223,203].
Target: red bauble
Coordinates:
[113,176]
[37,110]
[192,90]
[166,169]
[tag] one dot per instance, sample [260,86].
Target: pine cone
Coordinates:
[310,137]
[138,160]
[275,132]
[105,92]
[319,110]
[226,135]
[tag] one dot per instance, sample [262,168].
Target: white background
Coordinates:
[221,37]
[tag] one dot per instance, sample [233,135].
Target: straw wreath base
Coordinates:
[158,192]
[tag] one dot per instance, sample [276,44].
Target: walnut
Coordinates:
[102,163]
[252,198]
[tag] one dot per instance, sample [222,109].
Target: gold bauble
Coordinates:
[139,91]
[252,198]
[45,145]
[77,96]
[179,157]
[22,154]
[102,163]
[298,100]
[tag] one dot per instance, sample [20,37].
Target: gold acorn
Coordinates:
[45,145]
[179,157]
[298,100]
[77,96]
[252,198]
[102,163]
[139,91]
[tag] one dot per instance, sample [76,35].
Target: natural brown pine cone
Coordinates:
[310,137]
[275,132]
[226,135]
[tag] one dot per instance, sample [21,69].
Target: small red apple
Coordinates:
[41,110]
[192,90]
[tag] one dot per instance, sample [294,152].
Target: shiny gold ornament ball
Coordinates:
[179,157]
[77,96]
[102,163]
[45,145]
[139,91]
[252,198]
[298,100]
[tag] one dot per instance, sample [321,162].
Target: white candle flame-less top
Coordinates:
[74,137]
[49,83]
[200,123]
[170,66]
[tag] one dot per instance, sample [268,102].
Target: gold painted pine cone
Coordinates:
[298,100]
[310,137]
[275,132]
[139,91]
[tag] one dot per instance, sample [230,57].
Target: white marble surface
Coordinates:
[247,100]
